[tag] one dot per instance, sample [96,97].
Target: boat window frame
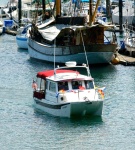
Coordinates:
[50,83]
[63,85]
[41,84]
[91,86]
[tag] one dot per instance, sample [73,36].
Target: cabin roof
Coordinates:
[51,32]
[47,73]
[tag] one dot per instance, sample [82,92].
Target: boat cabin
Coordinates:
[49,83]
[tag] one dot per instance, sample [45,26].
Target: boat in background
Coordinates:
[29,9]
[65,92]
[1,22]
[72,42]
[1,27]
[127,13]
[129,40]
[22,36]
[74,38]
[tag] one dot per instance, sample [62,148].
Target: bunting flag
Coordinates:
[101,93]
[81,88]
[62,91]
[73,91]
[57,94]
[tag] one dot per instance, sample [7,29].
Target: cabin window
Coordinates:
[52,87]
[62,86]
[76,84]
[46,84]
[40,93]
[89,85]
[42,84]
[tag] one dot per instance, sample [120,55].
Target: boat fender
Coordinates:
[115,60]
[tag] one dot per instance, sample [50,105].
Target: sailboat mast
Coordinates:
[94,14]
[120,15]
[90,12]
[58,8]
[43,6]
[108,9]
[20,11]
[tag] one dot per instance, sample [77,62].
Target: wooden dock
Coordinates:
[125,60]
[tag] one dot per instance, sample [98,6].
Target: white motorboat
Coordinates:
[65,92]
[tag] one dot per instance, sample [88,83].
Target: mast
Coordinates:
[120,14]
[43,6]
[90,12]
[108,9]
[44,9]
[94,14]
[58,8]
[20,11]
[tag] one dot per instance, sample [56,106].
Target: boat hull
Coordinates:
[71,109]
[96,53]
[1,31]
[130,49]
[129,44]
[22,41]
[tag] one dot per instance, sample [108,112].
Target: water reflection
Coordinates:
[74,121]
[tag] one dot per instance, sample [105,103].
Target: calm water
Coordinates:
[21,127]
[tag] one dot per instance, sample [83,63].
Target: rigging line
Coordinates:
[54,55]
[52,10]
[84,47]
[85,52]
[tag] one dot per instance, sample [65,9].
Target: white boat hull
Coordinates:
[21,41]
[64,54]
[1,30]
[71,109]
[130,49]
[129,44]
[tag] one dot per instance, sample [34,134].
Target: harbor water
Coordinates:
[22,127]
